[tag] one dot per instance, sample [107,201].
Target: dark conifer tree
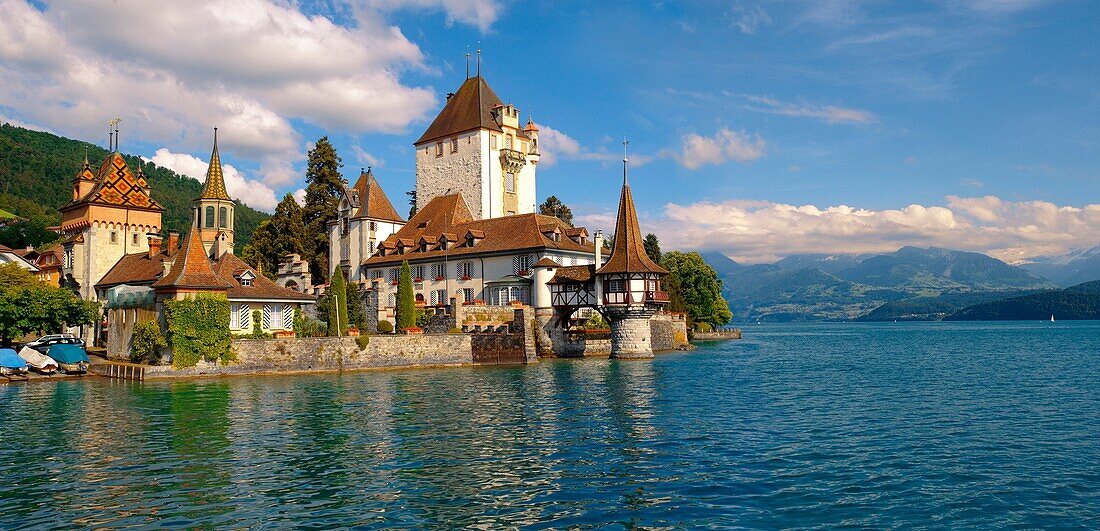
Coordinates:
[323,190]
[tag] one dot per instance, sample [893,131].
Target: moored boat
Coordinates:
[11,363]
[70,358]
[38,361]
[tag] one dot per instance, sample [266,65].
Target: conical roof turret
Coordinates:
[214,188]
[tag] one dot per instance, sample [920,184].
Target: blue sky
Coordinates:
[759,129]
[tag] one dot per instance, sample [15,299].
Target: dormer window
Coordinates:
[246,278]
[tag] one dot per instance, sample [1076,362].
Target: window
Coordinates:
[223,217]
[391,300]
[616,286]
[510,182]
[114,236]
[439,271]
[344,227]
[372,226]
[492,141]
[246,278]
[521,263]
[438,296]
[418,272]
[508,142]
[467,294]
[370,247]
[234,317]
[439,149]
[395,274]
[69,259]
[465,270]
[134,238]
[244,318]
[376,274]
[209,216]
[345,250]
[277,316]
[454,145]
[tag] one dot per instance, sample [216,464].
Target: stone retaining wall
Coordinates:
[255,356]
[669,332]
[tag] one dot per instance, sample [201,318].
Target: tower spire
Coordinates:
[479,62]
[214,187]
[467,64]
[626,143]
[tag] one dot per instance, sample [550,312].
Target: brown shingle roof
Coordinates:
[136,269]
[470,108]
[628,255]
[191,269]
[373,202]
[573,274]
[449,214]
[229,268]
[546,262]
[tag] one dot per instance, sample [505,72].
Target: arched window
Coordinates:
[223,215]
[209,216]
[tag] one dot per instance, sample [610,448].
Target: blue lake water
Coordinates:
[925,425]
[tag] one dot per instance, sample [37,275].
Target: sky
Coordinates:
[757,129]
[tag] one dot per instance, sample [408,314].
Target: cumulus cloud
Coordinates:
[480,13]
[363,157]
[829,113]
[761,231]
[697,150]
[300,196]
[249,67]
[250,192]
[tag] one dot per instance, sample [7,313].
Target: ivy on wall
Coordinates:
[198,328]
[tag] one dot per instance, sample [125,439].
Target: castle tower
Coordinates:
[110,215]
[214,209]
[364,218]
[476,147]
[628,286]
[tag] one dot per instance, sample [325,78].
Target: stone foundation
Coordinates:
[631,338]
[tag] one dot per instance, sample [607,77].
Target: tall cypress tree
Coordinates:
[281,234]
[356,315]
[338,315]
[322,200]
[406,304]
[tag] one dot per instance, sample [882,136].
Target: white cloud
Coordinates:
[747,19]
[758,231]
[249,67]
[250,192]
[829,113]
[555,145]
[697,150]
[479,13]
[300,196]
[366,158]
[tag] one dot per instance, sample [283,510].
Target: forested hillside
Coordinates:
[36,170]
[1073,303]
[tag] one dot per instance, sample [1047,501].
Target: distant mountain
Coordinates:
[36,171]
[1075,267]
[911,283]
[721,263]
[1073,303]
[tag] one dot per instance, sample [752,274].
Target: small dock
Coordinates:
[718,335]
[118,371]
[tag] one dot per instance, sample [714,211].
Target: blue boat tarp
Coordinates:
[68,354]
[10,360]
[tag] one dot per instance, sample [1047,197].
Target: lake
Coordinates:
[927,425]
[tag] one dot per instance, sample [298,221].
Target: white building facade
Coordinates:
[365,218]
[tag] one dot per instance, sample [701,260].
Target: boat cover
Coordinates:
[36,359]
[10,360]
[69,354]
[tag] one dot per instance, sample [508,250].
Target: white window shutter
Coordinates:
[267,317]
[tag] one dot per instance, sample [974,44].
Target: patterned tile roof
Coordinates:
[116,185]
[215,181]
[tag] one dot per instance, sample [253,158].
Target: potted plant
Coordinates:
[353,331]
[440,277]
[412,330]
[465,277]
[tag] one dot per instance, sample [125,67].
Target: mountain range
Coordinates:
[909,284]
[1075,267]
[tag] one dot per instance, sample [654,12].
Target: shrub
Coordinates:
[362,341]
[455,330]
[596,322]
[257,327]
[305,326]
[704,327]
[385,327]
[423,318]
[146,343]
[198,328]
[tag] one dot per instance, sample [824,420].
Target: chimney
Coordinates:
[154,245]
[598,240]
[173,240]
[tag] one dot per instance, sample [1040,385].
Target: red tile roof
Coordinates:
[230,268]
[449,214]
[373,202]
[628,255]
[137,269]
[191,269]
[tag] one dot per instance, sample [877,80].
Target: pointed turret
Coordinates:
[628,255]
[214,208]
[372,200]
[84,180]
[191,271]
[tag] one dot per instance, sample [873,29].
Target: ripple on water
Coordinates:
[916,425]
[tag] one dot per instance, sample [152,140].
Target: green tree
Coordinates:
[29,233]
[28,305]
[338,312]
[146,343]
[694,282]
[554,207]
[412,202]
[406,302]
[322,200]
[652,247]
[282,234]
[356,315]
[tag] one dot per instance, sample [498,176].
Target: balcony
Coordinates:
[511,160]
[622,298]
